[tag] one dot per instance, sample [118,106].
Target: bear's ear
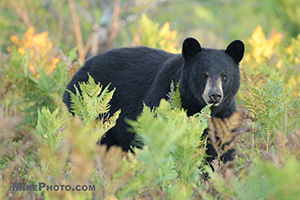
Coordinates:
[236,50]
[190,47]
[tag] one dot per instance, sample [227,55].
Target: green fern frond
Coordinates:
[174,96]
[104,99]
[111,121]
[171,153]
[48,127]
[91,88]
[93,100]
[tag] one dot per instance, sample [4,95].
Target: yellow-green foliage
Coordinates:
[171,157]
[92,102]
[148,34]
[272,178]
[48,125]
[174,96]
[67,147]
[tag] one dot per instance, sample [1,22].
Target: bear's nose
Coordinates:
[215,97]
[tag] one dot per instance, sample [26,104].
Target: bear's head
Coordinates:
[210,76]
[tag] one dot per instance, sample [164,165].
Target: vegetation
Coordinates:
[42,143]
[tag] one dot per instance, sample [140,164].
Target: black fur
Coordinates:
[143,74]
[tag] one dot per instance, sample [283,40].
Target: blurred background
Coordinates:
[98,25]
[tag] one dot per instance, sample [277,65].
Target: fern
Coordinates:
[48,125]
[262,100]
[171,153]
[174,96]
[68,149]
[221,133]
[92,102]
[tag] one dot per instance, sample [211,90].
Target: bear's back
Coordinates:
[130,70]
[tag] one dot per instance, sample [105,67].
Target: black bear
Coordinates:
[142,74]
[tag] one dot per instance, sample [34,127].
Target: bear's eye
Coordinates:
[204,76]
[224,77]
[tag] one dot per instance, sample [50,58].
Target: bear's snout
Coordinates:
[213,93]
[215,97]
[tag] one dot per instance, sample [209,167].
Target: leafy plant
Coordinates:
[171,155]
[272,179]
[40,50]
[64,141]
[92,102]
[35,74]
[150,35]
